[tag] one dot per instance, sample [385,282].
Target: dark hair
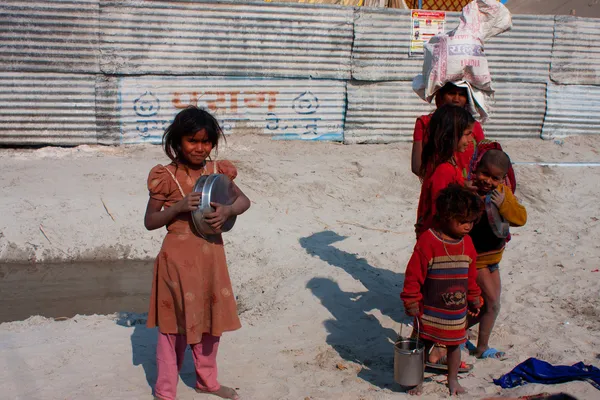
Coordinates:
[188,122]
[456,202]
[446,127]
[496,158]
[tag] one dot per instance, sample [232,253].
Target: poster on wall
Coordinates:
[283,108]
[425,24]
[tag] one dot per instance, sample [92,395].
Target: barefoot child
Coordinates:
[450,132]
[191,300]
[489,237]
[440,279]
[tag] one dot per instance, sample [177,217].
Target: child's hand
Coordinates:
[473,312]
[413,311]
[497,198]
[189,202]
[469,185]
[474,307]
[217,218]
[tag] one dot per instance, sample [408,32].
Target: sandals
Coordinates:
[489,353]
[493,353]
[442,364]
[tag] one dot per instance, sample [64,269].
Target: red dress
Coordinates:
[441,279]
[444,175]
[463,160]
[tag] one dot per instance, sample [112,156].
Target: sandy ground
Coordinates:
[317,265]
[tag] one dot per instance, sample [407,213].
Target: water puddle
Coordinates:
[63,290]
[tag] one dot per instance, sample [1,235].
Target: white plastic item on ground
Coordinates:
[458,56]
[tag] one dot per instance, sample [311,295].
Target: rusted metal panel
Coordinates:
[47,108]
[576,52]
[382,39]
[572,110]
[219,38]
[385,112]
[287,109]
[51,36]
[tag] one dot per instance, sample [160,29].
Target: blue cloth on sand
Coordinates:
[533,370]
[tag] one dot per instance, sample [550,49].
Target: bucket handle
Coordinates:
[400,337]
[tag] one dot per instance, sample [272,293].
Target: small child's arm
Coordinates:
[511,209]
[474,299]
[414,277]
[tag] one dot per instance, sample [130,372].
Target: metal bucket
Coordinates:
[409,361]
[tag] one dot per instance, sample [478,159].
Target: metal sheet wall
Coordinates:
[385,112]
[287,109]
[47,108]
[219,38]
[382,112]
[72,70]
[517,110]
[572,110]
[382,41]
[522,54]
[576,52]
[51,36]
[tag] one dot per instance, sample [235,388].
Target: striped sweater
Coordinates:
[441,279]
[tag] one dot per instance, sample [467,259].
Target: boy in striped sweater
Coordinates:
[440,280]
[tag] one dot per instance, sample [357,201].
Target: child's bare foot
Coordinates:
[416,391]
[224,392]
[455,387]
[437,354]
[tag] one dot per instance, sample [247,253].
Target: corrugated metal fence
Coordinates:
[89,71]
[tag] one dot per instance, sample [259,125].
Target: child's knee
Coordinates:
[493,306]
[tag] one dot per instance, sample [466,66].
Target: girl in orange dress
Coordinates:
[192,300]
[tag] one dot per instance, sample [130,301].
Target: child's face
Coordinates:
[456,96]
[487,178]
[458,229]
[465,140]
[196,148]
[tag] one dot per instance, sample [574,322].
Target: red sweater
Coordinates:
[443,175]
[463,160]
[441,279]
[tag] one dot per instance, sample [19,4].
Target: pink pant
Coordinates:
[170,351]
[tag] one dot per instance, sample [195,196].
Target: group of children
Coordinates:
[466,206]
[452,280]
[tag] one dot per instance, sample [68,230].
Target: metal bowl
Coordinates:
[215,188]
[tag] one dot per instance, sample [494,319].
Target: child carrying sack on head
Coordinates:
[440,280]
[489,235]
[448,94]
[450,132]
[192,302]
